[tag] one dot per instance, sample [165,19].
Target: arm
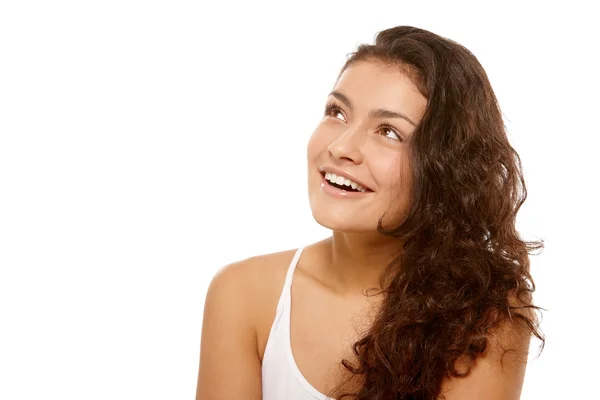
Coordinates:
[229,363]
[495,375]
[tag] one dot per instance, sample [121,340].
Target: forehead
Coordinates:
[372,84]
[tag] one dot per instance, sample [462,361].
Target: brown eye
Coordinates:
[390,133]
[331,110]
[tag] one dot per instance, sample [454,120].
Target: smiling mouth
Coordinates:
[342,183]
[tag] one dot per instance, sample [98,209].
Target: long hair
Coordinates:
[463,269]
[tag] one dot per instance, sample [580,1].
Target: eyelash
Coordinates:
[329,107]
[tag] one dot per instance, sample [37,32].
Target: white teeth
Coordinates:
[340,180]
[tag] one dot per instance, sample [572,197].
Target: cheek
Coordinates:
[394,180]
[316,145]
[401,192]
[403,178]
[387,169]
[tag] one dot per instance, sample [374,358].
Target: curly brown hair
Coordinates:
[464,267]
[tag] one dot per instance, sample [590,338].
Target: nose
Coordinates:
[347,146]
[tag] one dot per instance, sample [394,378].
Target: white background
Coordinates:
[144,145]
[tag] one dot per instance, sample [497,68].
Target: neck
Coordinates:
[357,260]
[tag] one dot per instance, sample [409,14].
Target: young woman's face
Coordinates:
[362,143]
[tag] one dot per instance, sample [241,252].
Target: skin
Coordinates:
[349,140]
[333,274]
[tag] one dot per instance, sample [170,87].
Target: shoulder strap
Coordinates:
[291,268]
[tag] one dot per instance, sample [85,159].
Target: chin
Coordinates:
[342,220]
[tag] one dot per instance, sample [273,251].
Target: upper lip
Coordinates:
[345,175]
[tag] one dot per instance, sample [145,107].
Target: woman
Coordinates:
[423,291]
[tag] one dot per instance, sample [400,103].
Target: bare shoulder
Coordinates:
[256,280]
[499,372]
[254,274]
[258,271]
[255,266]
[230,364]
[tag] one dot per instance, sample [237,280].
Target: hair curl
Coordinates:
[463,266]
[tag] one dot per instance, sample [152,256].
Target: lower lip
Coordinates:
[339,193]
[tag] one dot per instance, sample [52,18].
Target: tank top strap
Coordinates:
[285,295]
[291,268]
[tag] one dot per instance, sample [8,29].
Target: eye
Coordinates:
[332,108]
[392,134]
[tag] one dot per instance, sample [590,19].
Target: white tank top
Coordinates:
[281,378]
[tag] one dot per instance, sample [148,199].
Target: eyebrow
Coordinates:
[377,113]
